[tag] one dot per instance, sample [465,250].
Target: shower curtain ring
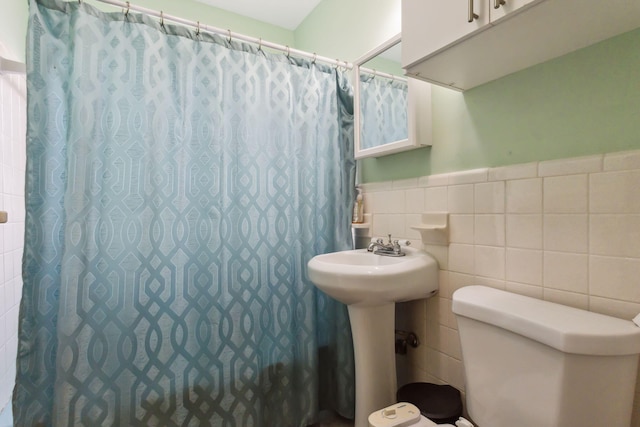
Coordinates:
[162,19]
[260,45]
[198,29]
[315,56]
[126,12]
[229,39]
[288,52]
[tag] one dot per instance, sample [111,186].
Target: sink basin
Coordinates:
[363,278]
[371,285]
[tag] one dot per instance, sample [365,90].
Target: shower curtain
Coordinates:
[383,110]
[177,185]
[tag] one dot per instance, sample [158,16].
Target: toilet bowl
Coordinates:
[406,414]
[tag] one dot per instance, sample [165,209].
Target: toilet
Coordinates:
[532,363]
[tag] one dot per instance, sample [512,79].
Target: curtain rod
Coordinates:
[232,35]
[375,74]
[8,66]
[126,5]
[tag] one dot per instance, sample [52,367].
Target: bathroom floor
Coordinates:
[330,420]
[6,420]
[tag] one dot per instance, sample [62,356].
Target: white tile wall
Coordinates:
[566,231]
[12,170]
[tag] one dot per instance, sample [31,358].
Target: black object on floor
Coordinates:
[442,404]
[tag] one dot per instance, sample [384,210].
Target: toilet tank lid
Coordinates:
[567,329]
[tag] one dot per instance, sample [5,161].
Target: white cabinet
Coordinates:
[517,35]
[499,9]
[428,26]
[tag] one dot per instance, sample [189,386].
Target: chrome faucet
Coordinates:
[391,248]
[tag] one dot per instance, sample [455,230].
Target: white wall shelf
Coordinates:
[362,225]
[434,228]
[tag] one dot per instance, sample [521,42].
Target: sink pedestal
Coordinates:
[373,330]
[370,285]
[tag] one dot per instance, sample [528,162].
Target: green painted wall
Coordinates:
[336,28]
[197,11]
[385,65]
[14,15]
[13,28]
[584,103]
[348,29]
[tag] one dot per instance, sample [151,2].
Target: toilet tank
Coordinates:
[532,363]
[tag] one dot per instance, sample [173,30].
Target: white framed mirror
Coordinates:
[385,103]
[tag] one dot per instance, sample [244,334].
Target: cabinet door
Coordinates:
[501,8]
[430,25]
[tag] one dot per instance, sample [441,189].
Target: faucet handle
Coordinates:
[397,245]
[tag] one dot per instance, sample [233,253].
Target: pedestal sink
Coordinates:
[370,285]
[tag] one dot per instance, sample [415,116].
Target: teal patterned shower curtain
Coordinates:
[177,185]
[383,110]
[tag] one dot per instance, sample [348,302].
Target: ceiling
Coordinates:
[283,13]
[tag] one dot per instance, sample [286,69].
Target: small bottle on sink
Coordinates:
[358,209]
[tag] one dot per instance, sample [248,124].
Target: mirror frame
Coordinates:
[393,146]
